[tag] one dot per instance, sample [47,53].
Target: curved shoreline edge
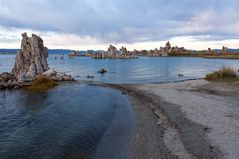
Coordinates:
[167,128]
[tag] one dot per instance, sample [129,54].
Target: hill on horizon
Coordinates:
[67,51]
[51,51]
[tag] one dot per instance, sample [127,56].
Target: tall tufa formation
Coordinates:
[112,49]
[123,50]
[168,45]
[224,49]
[30,63]
[31,59]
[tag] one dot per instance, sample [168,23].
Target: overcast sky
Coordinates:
[94,24]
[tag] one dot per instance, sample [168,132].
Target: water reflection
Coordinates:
[69,121]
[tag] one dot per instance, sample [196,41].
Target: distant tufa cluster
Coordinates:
[113,53]
[123,53]
[162,51]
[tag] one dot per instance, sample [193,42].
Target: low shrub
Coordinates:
[225,73]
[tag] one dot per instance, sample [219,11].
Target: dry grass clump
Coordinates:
[225,73]
[41,84]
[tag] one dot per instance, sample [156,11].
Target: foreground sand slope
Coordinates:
[200,118]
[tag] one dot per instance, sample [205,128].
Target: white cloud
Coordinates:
[11,38]
[100,22]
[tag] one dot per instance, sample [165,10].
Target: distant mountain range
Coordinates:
[8,51]
[67,51]
[230,50]
[51,51]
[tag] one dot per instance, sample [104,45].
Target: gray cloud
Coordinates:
[124,20]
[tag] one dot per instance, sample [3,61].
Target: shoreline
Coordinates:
[169,129]
[185,119]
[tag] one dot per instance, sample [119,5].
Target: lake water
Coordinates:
[75,121]
[142,70]
[71,121]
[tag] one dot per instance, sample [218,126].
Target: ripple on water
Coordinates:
[69,121]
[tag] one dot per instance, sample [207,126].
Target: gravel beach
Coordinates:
[192,119]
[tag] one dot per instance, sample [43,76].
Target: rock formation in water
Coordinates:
[123,50]
[224,49]
[31,62]
[56,76]
[168,50]
[74,53]
[168,45]
[112,49]
[113,53]
[31,59]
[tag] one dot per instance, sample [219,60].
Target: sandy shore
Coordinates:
[192,119]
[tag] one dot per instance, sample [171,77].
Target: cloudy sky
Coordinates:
[94,24]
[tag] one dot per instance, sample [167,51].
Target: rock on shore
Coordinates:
[56,76]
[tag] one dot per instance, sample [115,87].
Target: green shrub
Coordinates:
[42,84]
[225,73]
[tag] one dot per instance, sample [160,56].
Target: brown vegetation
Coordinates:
[41,84]
[225,73]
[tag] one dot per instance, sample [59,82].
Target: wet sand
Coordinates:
[192,119]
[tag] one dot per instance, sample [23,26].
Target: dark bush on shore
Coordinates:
[41,84]
[225,73]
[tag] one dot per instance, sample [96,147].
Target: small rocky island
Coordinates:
[168,50]
[31,62]
[113,53]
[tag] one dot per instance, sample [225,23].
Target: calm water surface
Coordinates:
[69,122]
[142,70]
[75,121]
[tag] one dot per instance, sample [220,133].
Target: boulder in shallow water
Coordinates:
[7,81]
[56,76]
[180,75]
[102,71]
[89,76]
[49,73]
[5,77]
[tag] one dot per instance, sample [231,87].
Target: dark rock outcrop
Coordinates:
[102,71]
[89,76]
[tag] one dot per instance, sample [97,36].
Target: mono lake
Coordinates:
[142,70]
[69,121]
[81,121]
